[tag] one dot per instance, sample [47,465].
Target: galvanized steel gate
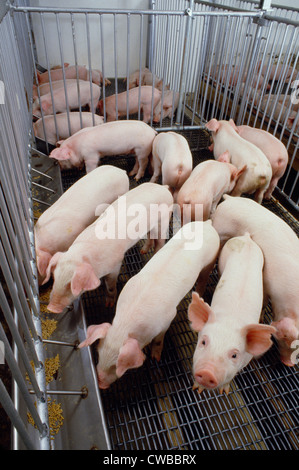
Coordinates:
[195,47]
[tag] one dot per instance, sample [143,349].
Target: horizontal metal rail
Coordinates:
[106,11]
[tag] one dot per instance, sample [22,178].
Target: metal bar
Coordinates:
[40,172]
[60,343]
[63,78]
[41,202]
[166,47]
[43,187]
[83,392]
[189,13]
[20,305]
[128,64]
[18,377]
[89,63]
[115,69]
[139,88]
[15,417]
[103,59]
[50,80]
[231,11]
[18,340]
[281,20]
[76,65]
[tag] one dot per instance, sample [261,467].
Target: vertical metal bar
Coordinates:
[151,34]
[15,370]
[17,339]
[26,276]
[252,59]
[76,65]
[50,79]
[200,73]
[140,63]
[115,68]
[103,56]
[35,71]
[189,13]
[19,305]
[89,62]
[166,47]
[15,417]
[13,204]
[128,60]
[63,74]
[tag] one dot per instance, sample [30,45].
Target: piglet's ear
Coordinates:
[224,157]
[84,278]
[258,338]
[285,330]
[62,153]
[237,173]
[199,312]
[52,265]
[232,123]
[43,260]
[213,125]
[95,332]
[130,356]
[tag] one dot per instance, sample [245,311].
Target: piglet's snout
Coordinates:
[206,378]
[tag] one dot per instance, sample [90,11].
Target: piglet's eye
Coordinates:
[234,354]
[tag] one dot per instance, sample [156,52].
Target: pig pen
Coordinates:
[153,407]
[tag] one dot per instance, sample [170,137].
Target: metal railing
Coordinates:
[187,44]
[19,298]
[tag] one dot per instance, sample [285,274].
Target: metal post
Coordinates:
[186,49]
[265,5]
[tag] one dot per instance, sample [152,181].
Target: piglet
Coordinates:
[46,87]
[166,106]
[98,78]
[172,157]
[149,78]
[281,108]
[257,176]
[71,71]
[60,224]
[230,334]
[205,187]
[136,78]
[272,147]
[147,304]
[69,99]
[280,247]
[129,102]
[144,77]
[63,120]
[99,250]
[111,138]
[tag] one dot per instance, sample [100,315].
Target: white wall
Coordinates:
[114,58]
[287,3]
